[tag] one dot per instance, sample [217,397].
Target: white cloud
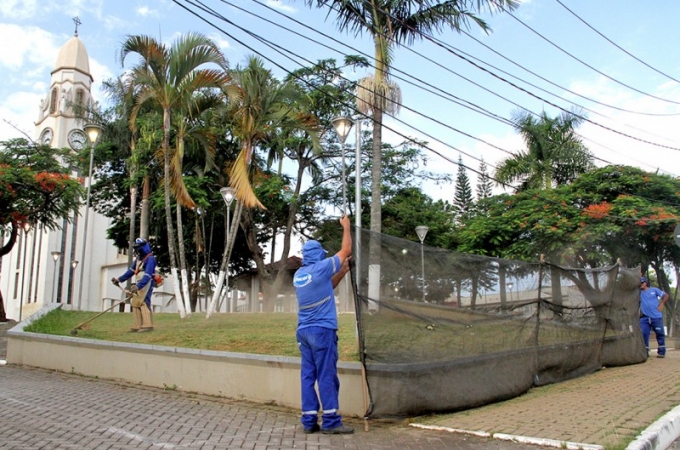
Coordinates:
[145,11]
[222,43]
[30,45]
[276,4]
[18,9]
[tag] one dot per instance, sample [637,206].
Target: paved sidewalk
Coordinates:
[607,408]
[53,411]
[604,410]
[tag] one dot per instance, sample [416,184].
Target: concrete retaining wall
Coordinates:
[258,378]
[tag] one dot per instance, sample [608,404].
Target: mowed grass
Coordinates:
[259,333]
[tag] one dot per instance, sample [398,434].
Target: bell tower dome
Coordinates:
[71,85]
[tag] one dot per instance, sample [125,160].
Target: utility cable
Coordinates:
[616,45]
[588,65]
[217,15]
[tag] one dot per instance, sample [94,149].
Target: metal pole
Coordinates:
[55,256]
[344,180]
[422,263]
[54,283]
[87,213]
[357,202]
[230,306]
[421,231]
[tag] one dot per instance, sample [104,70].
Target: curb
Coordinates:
[659,435]
[514,438]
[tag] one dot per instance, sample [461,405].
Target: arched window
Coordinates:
[53,101]
[80,95]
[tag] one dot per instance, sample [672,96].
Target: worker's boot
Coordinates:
[147,323]
[137,318]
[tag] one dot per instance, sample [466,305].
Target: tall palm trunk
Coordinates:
[376,211]
[183,259]
[168,214]
[146,209]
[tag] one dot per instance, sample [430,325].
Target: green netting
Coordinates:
[444,331]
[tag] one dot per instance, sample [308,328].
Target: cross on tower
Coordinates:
[77,21]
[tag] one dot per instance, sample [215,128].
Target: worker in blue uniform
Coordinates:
[317,332]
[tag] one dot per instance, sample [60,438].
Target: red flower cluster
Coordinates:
[598,211]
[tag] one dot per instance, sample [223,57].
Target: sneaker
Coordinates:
[660,356]
[314,429]
[342,429]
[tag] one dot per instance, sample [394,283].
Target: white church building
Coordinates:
[72,265]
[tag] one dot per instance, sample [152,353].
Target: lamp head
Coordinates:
[93,130]
[55,255]
[342,127]
[228,194]
[421,231]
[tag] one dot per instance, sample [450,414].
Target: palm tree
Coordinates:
[168,77]
[188,127]
[554,155]
[257,105]
[392,23]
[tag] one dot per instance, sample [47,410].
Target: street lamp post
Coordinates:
[74,264]
[342,127]
[228,196]
[55,256]
[510,286]
[421,231]
[93,130]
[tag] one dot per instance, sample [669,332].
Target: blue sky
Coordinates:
[37,29]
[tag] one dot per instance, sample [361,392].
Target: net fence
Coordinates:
[444,331]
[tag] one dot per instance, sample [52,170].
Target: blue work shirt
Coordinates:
[314,289]
[649,302]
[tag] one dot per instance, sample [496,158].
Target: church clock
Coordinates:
[46,136]
[77,139]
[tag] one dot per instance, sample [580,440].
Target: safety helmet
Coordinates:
[139,243]
[141,247]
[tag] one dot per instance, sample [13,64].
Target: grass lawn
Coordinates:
[259,333]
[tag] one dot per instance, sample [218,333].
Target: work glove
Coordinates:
[134,289]
[115,281]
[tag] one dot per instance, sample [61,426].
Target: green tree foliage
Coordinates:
[554,153]
[608,214]
[462,197]
[484,182]
[36,190]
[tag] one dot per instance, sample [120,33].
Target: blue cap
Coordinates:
[312,252]
[644,280]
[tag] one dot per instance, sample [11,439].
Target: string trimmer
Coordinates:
[128,296]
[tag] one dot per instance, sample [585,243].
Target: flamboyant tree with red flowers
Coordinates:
[36,190]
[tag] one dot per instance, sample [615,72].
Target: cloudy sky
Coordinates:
[613,59]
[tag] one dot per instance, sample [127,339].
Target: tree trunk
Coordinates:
[168,214]
[145,210]
[376,214]
[183,259]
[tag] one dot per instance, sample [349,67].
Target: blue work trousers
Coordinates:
[647,324]
[319,354]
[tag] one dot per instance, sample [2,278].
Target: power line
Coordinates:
[616,45]
[589,66]
[266,42]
